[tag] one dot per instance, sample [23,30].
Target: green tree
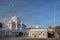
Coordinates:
[0,25]
[57,29]
[49,27]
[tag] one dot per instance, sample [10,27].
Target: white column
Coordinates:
[29,34]
[16,25]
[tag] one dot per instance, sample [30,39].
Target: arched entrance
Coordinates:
[36,35]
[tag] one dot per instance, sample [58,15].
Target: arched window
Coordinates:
[44,33]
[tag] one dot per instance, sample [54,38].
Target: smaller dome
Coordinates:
[37,26]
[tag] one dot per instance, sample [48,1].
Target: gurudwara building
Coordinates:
[15,27]
[14,23]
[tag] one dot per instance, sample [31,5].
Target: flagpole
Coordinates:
[54,15]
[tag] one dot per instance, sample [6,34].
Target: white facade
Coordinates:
[14,23]
[38,32]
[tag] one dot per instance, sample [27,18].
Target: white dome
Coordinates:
[13,17]
[37,26]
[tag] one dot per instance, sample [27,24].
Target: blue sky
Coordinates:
[31,12]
